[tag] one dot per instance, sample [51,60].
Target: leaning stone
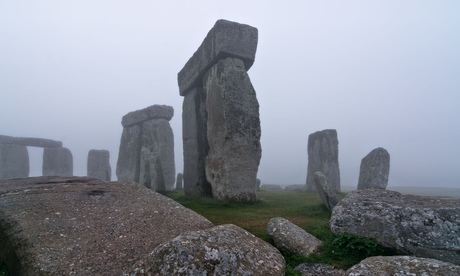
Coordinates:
[152,112]
[37,142]
[296,187]
[14,161]
[99,164]
[85,226]
[403,265]
[271,187]
[225,39]
[417,225]
[323,156]
[374,170]
[179,180]
[289,237]
[128,164]
[233,131]
[57,162]
[221,250]
[327,194]
[308,269]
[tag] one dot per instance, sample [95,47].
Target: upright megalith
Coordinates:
[179,181]
[14,161]
[99,164]
[374,170]
[146,154]
[221,126]
[323,156]
[57,162]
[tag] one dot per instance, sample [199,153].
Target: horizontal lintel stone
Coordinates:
[30,142]
[148,113]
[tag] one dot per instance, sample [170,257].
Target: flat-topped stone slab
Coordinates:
[225,39]
[30,142]
[152,112]
[85,226]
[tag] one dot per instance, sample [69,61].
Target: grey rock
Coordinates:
[225,39]
[307,269]
[157,168]
[233,131]
[374,170]
[152,112]
[258,182]
[37,142]
[85,226]
[57,162]
[179,181]
[323,156]
[271,187]
[14,161]
[128,164]
[99,164]
[221,250]
[4,139]
[326,192]
[296,187]
[195,144]
[417,225]
[289,237]
[403,265]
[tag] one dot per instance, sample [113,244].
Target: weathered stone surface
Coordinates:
[233,131]
[323,156]
[152,112]
[289,237]
[374,170]
[83,226]
[308,269]
[271,187]
[422,226]
[128,164]
[296,187]
[221,250]
[4,139]
[14,161]
[57,162]
[195,144]
[99,164]
[179,181]
[327,194]
[225,39]
[157,168]
[30,142]
[403,265]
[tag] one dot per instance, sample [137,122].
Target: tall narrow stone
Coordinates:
[233,131]
[128,164]
[179,181]
[14,161]
[374,170]
[323,156]
[99,164]
[57,162]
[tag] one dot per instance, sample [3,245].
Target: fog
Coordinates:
[382,73]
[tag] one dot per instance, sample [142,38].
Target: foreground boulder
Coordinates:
[422,226]
[222,250]
[85,226]
[403,265]
[308,269]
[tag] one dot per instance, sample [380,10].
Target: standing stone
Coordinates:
[323,156]
[326,192]
[129,154]
[57,162]
[233,131]
[14,161]
[99,165]
[179,180]
[374,170]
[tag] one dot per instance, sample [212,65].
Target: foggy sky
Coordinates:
[382,73]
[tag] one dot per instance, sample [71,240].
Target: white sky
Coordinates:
[383,73]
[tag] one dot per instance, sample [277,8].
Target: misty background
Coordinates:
[382,73]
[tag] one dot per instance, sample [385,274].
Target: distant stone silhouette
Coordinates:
[374,170]
[146,154]
[179,181]
[323,156]
[221,126]
[99,164]
[57,162]
[14,161]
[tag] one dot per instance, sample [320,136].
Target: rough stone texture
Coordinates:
[83,226]
[57,162]
[221,250]
[289,237]
[195,144]
[307,269]
[422,226]
[233,131]
[271,187]
[152,112]
[179,181]
[99,164]
[296,187]
[374,170]
[157,168]
[327,194]
[128,164]
[403,265]
[14,161]
[323,156]
[225,39]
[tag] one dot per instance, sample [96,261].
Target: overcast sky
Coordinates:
[382,73]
